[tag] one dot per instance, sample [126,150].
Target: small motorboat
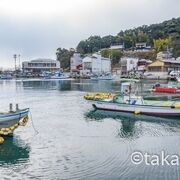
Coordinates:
[58,75]
[11,120]
[157,88]
[6,77]
[130,103]
[102,77]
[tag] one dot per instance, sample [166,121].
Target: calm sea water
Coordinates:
[76,143]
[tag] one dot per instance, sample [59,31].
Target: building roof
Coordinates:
[42,60]
[120,46]
[93,57]
[161,62]
[156,63]
[170,61]
[145,60]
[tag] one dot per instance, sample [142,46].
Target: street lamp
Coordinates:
[19,62]
[15,56]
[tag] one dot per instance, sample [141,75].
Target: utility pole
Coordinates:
[19,62]
[15,56]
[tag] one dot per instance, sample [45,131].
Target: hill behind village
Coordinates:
[157,36]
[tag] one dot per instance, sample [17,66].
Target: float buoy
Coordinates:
[137,112]
[1,140]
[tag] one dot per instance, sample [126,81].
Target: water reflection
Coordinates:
[14,151]
[127,129]
[42,84]
[74,85]
[130,124]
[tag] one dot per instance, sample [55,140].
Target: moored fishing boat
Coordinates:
[11,120]
[58,75]
[102,77]
[152,110]
[128,103]
[157,88]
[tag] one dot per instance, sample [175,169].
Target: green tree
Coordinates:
[162,44]
[115,55]
[64,55]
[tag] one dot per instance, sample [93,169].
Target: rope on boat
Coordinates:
[36,131]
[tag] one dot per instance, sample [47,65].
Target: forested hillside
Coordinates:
[155,35]
[166,29]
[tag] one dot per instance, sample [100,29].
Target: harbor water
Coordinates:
[75,142]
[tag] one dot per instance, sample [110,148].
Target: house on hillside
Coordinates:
[117,47]
[142,47]
[164,55]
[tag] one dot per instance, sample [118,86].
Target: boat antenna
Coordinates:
[129,92]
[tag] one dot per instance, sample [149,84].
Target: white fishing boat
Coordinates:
[128,103]
[146,109]
[58,75]
[102,77]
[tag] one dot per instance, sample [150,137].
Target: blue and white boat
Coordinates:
[58,75]
[102,77]
[11,120]
[6,77]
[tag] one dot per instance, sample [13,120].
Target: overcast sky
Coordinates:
[36,28]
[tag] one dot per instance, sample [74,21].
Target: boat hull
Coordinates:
[161,111]
[9,119]
[59,78]
[101,78]
[166,90]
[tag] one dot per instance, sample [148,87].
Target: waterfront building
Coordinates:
[40,65]
[76,63]
[142,64]
[96,64]
[128,64]
[164,66]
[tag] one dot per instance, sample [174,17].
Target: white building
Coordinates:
[96,64]
[76,62]
[142,64]
[164,55]
[40,65]
[128,64]
[117,47]
[142,47]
